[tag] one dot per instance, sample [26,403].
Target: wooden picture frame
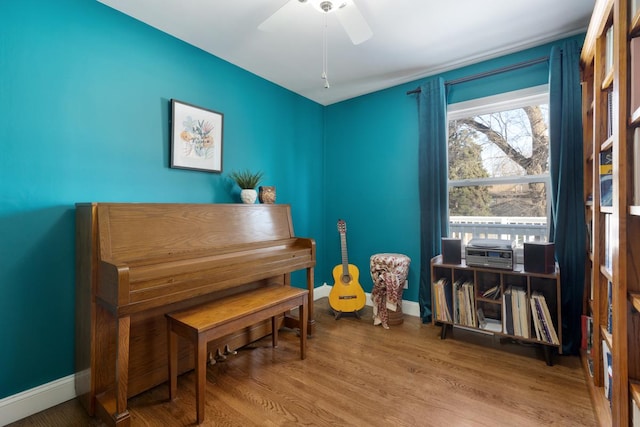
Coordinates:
[196,138]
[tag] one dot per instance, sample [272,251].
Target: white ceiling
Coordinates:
[411,38]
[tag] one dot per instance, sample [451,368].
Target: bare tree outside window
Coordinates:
[499,172]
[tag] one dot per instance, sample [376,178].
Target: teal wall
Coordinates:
[84,111]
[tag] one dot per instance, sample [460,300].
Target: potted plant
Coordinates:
[247,181]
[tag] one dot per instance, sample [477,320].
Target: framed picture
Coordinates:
[196,138]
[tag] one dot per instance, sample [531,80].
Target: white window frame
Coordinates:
[491,104]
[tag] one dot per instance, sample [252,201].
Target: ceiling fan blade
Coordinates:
[280,16]
[354,23]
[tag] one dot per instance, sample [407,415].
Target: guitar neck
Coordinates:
[345,258]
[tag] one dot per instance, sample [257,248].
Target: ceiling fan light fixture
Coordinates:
[327,6]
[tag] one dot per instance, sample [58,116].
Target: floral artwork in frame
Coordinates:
[196,137]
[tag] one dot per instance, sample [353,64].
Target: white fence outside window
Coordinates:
[515,229]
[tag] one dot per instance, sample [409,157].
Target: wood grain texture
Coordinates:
[215,319]
[357,374]
[138,261]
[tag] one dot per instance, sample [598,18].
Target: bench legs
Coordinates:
[201,375]
[302,313]
[274,332]
[172,340]
[200,359]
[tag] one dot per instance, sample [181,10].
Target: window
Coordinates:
[498,156]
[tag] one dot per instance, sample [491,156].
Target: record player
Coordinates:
[491,253]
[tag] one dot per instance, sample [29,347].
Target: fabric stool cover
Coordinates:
[388,272]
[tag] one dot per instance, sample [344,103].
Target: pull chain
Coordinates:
[324,53]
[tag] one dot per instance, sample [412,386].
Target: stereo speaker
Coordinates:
[451,251]
[539,257]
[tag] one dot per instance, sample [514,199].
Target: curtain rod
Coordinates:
[489,73]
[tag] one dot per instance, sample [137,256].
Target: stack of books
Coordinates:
[543,324]
[442,296]
[492,293]
[515,312]
[464,305]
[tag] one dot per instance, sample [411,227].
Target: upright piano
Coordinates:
[137,261]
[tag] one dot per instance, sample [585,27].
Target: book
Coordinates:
[520,312]
[547,319]
[606,178]
[545,333]
[493,292]
[507,312]
[464,303]
[608,247]
[636,165]
[437,295]
[609,113]
[587,333]
[493,325]
[634,77]
[458,304]
[536,319]
[442,296]
[609,307]
[607,369]
[608,65]
[482,322]
[515,311]
[523,311]
[634,7]
[540,310]
[471,299]
[589,224]
[456,299]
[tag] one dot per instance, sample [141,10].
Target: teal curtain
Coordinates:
[568,227]
[432,177]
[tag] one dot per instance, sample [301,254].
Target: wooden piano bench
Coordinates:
[215,319]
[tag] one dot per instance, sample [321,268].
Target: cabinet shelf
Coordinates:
[606,209]
[607,82]
[607,337]
[528,309]
[634,387]
[500,334]
[634,26]
[634,119]
[606,272]
[607,144]
[489,300]
[634,299]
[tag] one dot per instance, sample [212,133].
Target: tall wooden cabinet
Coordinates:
[613,268]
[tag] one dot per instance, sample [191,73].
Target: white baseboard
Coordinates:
[29,402]
[409,308]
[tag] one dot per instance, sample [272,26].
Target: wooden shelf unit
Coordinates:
[610,126]
[483,279]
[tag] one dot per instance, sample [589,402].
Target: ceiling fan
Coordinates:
[346,11]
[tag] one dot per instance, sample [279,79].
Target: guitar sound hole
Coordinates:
[346,279]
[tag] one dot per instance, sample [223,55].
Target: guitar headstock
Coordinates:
[342,226]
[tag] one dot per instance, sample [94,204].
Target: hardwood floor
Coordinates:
[357,374]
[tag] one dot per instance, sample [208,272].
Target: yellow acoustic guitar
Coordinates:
[346,295]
